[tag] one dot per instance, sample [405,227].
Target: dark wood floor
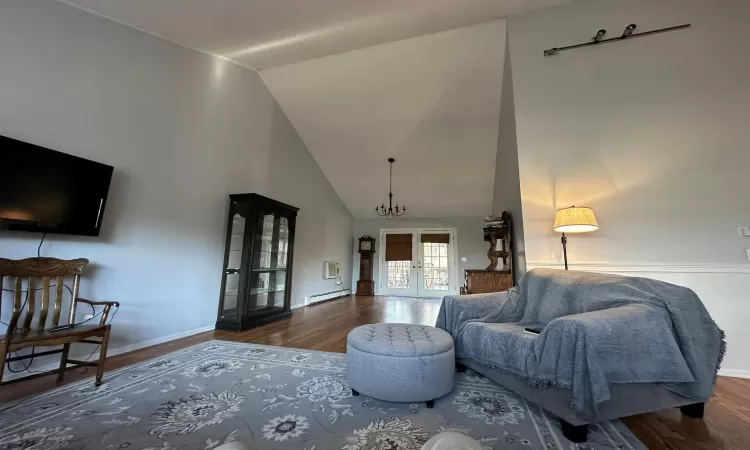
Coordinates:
[325,326]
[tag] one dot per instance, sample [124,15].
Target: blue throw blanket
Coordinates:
[598,330]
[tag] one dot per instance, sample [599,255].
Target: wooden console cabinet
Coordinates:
[483,281]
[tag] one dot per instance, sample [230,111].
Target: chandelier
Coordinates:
[390,211]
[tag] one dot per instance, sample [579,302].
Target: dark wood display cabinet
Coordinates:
[257,281]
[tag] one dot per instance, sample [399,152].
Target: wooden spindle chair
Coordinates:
[31,320]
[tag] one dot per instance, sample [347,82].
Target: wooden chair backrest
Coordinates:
[33,270]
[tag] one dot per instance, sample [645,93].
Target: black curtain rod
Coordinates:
[596,41]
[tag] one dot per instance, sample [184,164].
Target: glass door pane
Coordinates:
[233,269]
[399,277]
[399,274]
[282,244]
[270,254]
[435,266]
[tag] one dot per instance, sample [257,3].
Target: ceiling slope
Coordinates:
[431,102]
[269,33]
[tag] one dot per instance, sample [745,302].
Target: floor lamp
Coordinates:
[574,220]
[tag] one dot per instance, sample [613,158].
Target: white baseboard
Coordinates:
[735,373]
[117,350]
[312,299]
[157,341]
[643,267]
[172,337]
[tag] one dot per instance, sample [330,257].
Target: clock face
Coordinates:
[365,245]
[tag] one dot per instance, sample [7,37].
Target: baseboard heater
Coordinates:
[327,296]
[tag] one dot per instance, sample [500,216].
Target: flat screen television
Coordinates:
[49,191]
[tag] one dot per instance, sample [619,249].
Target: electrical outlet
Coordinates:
[463,259]
[88,317]
[744,232]
[747,250]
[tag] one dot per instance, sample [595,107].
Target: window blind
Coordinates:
[398,247]
[437,238]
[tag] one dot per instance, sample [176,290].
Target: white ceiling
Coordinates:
[364,80]
[269,33]
[431,102]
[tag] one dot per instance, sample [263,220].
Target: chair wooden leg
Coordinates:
[3,356]
[63,363]
[102,357]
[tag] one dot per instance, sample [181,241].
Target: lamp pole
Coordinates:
[564,241]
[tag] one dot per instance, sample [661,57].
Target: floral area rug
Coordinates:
[272,398]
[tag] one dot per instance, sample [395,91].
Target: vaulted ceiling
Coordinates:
[269,33]
[364,80]
[431,102]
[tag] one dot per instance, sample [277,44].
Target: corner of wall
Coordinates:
[507,195]
[261,76]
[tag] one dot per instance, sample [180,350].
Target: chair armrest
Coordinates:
[98,303]
[477,305]
[494,307]
[633,338]
[106,304]
[616,323]
[624,317]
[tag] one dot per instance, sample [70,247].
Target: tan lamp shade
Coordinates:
[575,220]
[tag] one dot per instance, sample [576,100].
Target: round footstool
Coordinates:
[399,362]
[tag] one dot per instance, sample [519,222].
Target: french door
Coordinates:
[417,262]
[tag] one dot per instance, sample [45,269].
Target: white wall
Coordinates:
[431,102]
[183,130]
[652,133]
[469,240]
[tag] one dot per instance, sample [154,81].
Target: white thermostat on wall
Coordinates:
[744,232]
[331,269]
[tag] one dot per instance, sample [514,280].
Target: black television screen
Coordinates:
[49,191]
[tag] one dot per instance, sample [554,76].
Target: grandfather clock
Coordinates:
[365,285]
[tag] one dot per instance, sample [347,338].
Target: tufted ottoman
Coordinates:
[399,362]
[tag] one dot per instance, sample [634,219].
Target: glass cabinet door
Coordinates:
[267,285]
[233,269]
